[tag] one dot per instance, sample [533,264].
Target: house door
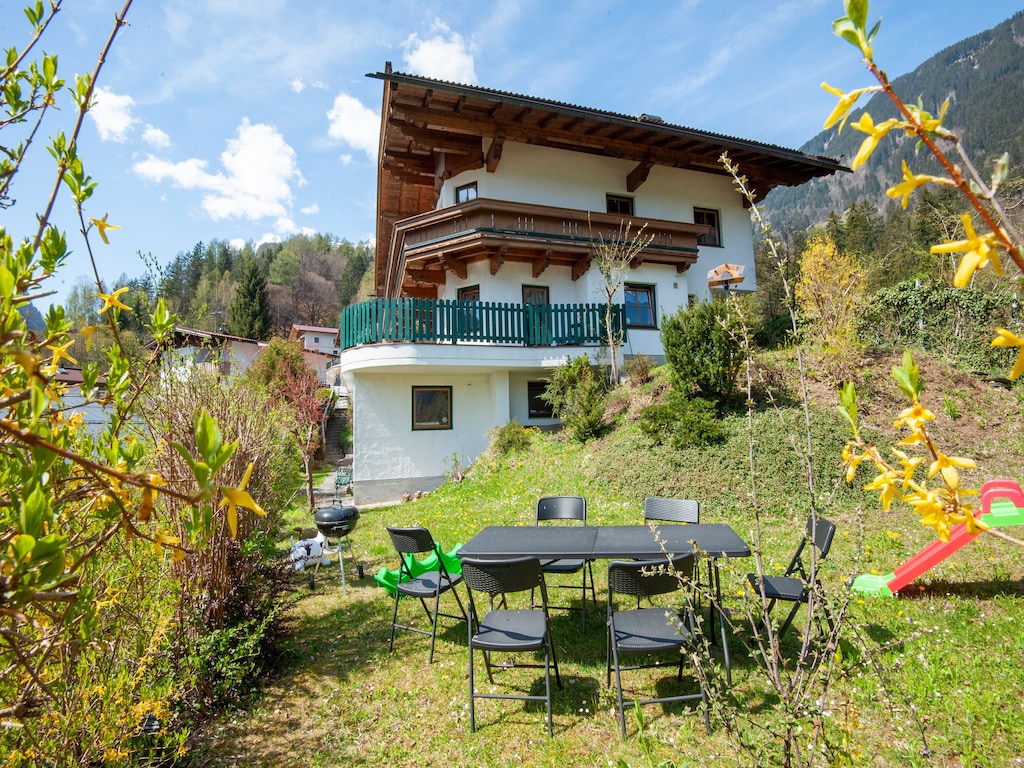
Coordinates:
[537,325]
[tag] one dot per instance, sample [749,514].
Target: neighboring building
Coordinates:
[315,337]
[489,206]
[217,352]
[320,351]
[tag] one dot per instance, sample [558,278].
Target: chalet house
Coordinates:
[489,207]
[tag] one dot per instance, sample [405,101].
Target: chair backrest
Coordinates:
[821,535]
[562,508]
[496,577]
[411,540]
[671,510]
[645,578]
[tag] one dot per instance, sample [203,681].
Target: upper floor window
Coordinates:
[469,293]
[619,204]
[639,305]
[465,193]
[709,218]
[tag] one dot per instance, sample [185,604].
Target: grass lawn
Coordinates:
[934,677]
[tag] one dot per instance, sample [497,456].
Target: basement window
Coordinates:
[538,409]
[431,408]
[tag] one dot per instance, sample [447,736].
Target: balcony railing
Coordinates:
[432,321]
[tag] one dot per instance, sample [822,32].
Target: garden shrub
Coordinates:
[682,421]
[577,397]
[952,323]
[702,352]
[512,437]
[228,586]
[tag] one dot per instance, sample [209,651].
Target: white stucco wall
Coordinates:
[547,176]
[392,457]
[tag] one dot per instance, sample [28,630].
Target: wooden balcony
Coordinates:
[427,321]
[426,247]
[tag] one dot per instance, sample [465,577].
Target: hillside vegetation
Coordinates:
[933,676]
[983,79]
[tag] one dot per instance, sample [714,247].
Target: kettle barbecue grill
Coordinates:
[335,522]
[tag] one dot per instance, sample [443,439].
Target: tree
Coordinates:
[282,371]
[830,293]
[249,313]
[613,259]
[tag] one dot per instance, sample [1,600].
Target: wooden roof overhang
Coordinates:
[432,130]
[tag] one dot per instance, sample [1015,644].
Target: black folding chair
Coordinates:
[794,586]
[410,542]
[572,508]
[653,631]
[508,630]
[661,509]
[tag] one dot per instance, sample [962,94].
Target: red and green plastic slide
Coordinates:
[1002,504]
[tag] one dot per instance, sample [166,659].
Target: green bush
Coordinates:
[512,437]
[577,397]
[639,369]
[702,353]
[682,421]
[953,323]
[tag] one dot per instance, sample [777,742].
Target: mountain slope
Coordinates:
[983,79]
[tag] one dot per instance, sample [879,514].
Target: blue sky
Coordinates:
[253,120]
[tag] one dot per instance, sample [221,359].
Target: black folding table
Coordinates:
[611,542]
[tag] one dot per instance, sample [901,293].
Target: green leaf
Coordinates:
[23,545]
[845,29]
[857,10]
[906,376]
[848,403]
[207,436]
[1000,171]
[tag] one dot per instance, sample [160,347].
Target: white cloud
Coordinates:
[310,210]
[356,125]
[259,169]
[444,55]
[112,114]
[298,85]
[346,159]
[156,138]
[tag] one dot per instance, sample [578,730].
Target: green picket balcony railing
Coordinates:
[431,321]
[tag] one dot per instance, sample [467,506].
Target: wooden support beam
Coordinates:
[638,175]
[421,275]
[494,153]
[541,263]
[579,269]
[456,266]
[497,259]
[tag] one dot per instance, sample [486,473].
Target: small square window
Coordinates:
[465,193]
[709,218]
[639,305]
[619,204]
[431,408]
[469,293]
